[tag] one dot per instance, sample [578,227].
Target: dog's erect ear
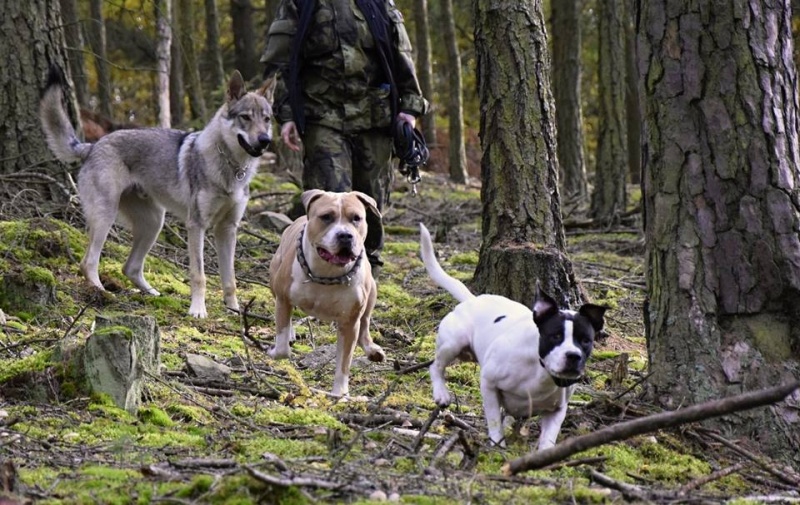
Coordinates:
[544,307]
[309,196]
[236,86]
[594,313]
[267,90]
[369,202]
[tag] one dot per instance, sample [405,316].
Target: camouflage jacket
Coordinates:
[342,80]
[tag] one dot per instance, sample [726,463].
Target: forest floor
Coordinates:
[268,432]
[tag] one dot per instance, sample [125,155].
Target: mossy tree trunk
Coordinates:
[522,231]
[722,207]
[608,195]
[422,43]
[455,105]
[633,112]
[567,90]
[163,11]
[33,38]
[74,40]
[213,51]
[176,88]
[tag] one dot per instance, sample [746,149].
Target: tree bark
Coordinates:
[244,38]
[74,41]
[213,52]
[567,91]
[97,41]
[33,38]
[722,207]
[455,106]
[163,9]
[191,72]
[609,195]
[176,88]
[425,66]
[522,231]
[633,112]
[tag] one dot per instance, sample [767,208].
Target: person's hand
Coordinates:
[407,117]
[290,135]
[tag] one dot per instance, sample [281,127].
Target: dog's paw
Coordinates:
[441,397]
[276,353]
[198,312]
[375,353]
[232,303]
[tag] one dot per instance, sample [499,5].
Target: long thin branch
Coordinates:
[648,424]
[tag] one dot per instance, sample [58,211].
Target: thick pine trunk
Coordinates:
[722,208]
[244,38]
[609,196]
[422,43]
[567,91]
[522,231]
[33,38]
[455,106]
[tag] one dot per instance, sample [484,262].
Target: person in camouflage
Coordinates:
[353,83]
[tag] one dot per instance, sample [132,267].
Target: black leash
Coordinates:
[411,149]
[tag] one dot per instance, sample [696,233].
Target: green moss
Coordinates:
[466,259]
[651,460]
[298,417]
[10,368]
[39,275]
[189,413]
[155,416]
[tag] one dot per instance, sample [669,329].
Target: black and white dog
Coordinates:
[529,360]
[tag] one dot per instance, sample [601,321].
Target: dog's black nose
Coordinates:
[264,139]
[344,237]
[573,359]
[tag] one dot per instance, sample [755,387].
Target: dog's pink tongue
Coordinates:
[335,259]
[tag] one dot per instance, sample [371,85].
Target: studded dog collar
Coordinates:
[345,278]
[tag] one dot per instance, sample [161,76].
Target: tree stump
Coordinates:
[117,355]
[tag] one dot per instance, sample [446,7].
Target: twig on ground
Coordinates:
[446,447]
[451,420]
[424,429]
[760,461]
[412,368]
[702,481]
[649,424]
[295,481]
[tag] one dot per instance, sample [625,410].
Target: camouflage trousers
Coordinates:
[362,161]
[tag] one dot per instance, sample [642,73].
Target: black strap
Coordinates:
[410,148]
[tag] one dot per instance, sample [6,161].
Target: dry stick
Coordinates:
[412,368]
[425,428]
[294,481]
[702,481]
[648,424]
[763,463]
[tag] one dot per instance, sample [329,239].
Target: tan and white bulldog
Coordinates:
[321,268]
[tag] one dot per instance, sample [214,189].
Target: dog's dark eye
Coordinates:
[357,218]
[326,218]
[245,117]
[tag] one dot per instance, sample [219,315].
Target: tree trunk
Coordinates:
[455,107]
[567,91]
[522,231]
[213,56]
[33,38]
[244,38]
[74,41]
[609,196]
[97,41]
[425,66]
[163,10]
[633,112]
[176,89]
[722,208]
[191,72]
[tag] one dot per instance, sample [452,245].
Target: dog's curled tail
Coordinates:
[58,130]
[454,286]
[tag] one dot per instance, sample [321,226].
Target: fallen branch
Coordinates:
[762,462]
[649,424]
[294,481]
[702,481]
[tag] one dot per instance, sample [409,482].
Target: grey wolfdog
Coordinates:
[201,177]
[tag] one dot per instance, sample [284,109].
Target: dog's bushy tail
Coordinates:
[454,286]
[58,130]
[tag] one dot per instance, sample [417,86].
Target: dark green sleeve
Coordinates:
[277,53]
[411,99]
